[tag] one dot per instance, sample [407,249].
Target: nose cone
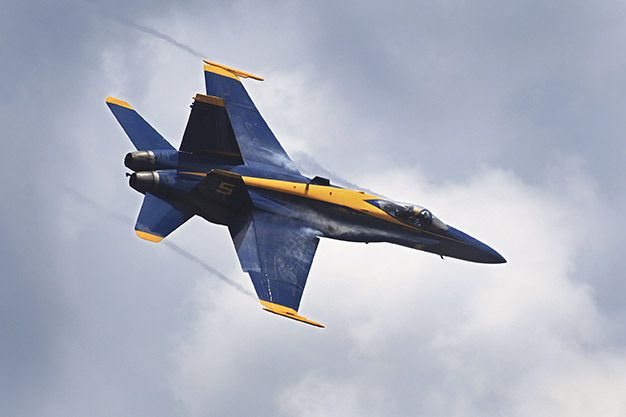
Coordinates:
[470,249]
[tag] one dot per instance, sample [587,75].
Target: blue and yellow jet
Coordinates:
[231,170]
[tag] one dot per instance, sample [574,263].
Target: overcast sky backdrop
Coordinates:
[507,120]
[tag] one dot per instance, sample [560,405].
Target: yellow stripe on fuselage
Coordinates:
[353,199]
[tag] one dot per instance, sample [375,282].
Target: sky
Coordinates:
[506,119]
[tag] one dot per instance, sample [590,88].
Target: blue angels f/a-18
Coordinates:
[231,170]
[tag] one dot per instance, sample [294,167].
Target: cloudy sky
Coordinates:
[507,120]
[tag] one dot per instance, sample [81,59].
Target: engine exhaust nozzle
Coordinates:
[144,181]
[140,161]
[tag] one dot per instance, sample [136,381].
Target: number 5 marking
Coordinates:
[225,188]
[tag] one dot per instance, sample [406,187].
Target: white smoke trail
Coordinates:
[168,243]
[158,34]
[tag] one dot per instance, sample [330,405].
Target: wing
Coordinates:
[277,253]
[256,142]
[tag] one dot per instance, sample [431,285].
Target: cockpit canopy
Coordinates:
[410,214]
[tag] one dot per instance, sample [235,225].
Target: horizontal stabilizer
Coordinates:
[141,134]
[158,218]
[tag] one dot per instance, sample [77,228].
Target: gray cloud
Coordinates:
[505,119]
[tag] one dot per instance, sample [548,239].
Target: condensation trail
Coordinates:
[193,258]
[167,243]
[160,35]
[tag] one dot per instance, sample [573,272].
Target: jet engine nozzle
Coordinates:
[144,181]
[140,160]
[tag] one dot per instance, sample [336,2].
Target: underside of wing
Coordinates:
[277,253]
[255,140]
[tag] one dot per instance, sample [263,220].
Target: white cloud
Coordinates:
[411,334]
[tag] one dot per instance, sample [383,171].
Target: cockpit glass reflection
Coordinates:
[410,214]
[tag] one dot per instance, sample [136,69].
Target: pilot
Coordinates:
[426,217]
[418,216]
[408,214]
[415,216]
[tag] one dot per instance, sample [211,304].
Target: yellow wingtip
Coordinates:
[117,101]
[220,69]
[149,236]
[288,312]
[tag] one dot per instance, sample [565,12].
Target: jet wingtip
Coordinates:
[214,67]
[150,237]
[288,312]
[118,102]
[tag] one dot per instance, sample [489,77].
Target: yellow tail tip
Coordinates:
[118,102]
[220,69]
[149,236]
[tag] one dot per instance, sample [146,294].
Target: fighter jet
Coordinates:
[231,170]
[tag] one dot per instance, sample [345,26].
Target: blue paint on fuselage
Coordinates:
[343,223]
[327,220]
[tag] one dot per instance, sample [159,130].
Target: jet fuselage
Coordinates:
[329,211]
